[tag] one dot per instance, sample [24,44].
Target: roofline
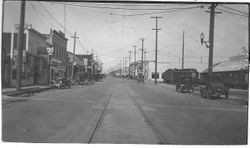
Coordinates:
[63,37]
[228,71]
[37,32]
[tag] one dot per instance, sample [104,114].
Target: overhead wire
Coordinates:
[125,4]
[231,12]
[119,8]
[39,14]
[46,15]
[81,44]
[244,13]
[61,25]
[166,11]
[55,19]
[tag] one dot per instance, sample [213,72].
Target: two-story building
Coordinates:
[88,62]
[77,66]
[34,66]
[59,58]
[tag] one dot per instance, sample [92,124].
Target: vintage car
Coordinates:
[214,88]
[60,83]
[185,84]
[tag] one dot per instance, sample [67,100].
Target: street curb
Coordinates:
[21,93]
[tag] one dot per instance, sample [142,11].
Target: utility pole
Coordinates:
[156,43]
[142,51]
[129,63]
[211,39]
[145,52]
[74,48]
[248,27]
[182,62]
[134,60]
[64,20]
[20,46]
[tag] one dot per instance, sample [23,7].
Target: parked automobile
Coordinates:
[214,88]
[185,84]
[60,83]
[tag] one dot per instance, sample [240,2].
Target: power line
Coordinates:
[166,10]
[62,25]
[120,8]
[43,15]
[82,45]
[125,4]
[244,13]
[54,18]
[231,12]
[39,13]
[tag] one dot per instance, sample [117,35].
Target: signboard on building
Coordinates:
[50,50]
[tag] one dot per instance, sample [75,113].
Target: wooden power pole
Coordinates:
[20,47]
[142,51]
[74,50]
[156,43]
[182,62]
[134,60]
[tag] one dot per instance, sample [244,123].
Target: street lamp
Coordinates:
[202,36]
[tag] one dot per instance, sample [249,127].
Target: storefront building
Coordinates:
[33,65]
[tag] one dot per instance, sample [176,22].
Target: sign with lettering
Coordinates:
[50,50]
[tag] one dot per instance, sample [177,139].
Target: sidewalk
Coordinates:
[12,93]
[5,90]
[11,99]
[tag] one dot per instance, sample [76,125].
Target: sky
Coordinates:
[112,29]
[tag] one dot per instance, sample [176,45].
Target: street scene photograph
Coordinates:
[125,72]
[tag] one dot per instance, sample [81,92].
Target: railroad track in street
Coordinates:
[100,117]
